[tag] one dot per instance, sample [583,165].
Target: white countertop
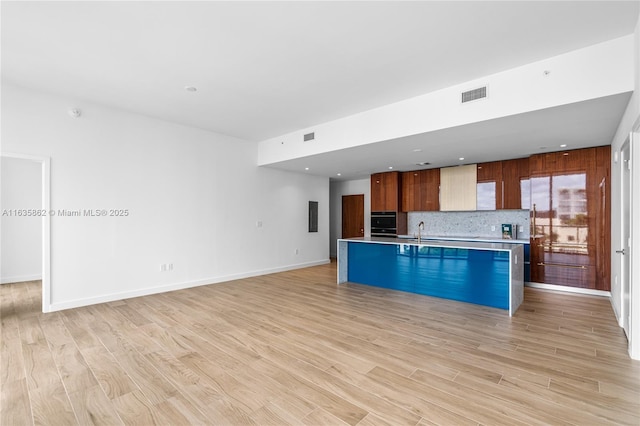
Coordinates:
[466,238]
[499,245]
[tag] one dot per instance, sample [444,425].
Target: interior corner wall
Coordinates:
[20,225]
[337,190]
[131,193]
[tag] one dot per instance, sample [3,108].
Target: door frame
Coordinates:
[45,175]
[626,198]
[634,251]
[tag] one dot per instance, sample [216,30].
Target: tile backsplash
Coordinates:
[469,224]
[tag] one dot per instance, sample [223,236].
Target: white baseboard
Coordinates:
[20,279]
[176,286]
[566,289]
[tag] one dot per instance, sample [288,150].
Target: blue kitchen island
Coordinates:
[489,274]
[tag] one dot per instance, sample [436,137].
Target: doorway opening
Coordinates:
[44,212]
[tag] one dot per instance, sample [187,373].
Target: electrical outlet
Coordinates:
[170,267]
[493,227]
[297,251]
[259,224]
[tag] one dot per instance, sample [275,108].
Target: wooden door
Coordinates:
[352,216]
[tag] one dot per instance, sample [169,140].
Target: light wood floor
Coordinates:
[294,348]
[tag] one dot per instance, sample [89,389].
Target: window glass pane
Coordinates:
[570,224]
[541,203]
[525,194]
[486,196]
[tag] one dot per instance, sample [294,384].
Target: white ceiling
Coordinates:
[263,69]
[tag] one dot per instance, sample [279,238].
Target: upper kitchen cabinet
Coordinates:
[421,190]
[489,187]
[385,192]
[430,187]
[411,191]
[515,178]
[503,185]
[570,218]
[458,188]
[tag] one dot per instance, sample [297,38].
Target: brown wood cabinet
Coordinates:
[421,190]
[353,216]
[502,184]
[515,179]
[489,186]
[385,192]
[570,218]
[411,191]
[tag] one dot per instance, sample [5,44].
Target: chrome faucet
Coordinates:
[420,227]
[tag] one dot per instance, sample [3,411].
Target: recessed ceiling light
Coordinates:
[417,150]
[564,145]
[423,163]
[338,174]
[190,88]
[306,168]
[390,167]
[461,158]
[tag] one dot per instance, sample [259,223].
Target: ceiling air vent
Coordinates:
[309,136]
[475,94]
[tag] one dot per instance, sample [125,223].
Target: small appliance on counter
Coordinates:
[509,231]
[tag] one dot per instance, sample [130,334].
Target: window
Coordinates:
[486,196]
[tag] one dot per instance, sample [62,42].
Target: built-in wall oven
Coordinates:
[384,224]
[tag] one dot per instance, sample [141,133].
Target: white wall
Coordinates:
[193,199]
[337,190]
[20,233]
[593,72]
[630,120]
